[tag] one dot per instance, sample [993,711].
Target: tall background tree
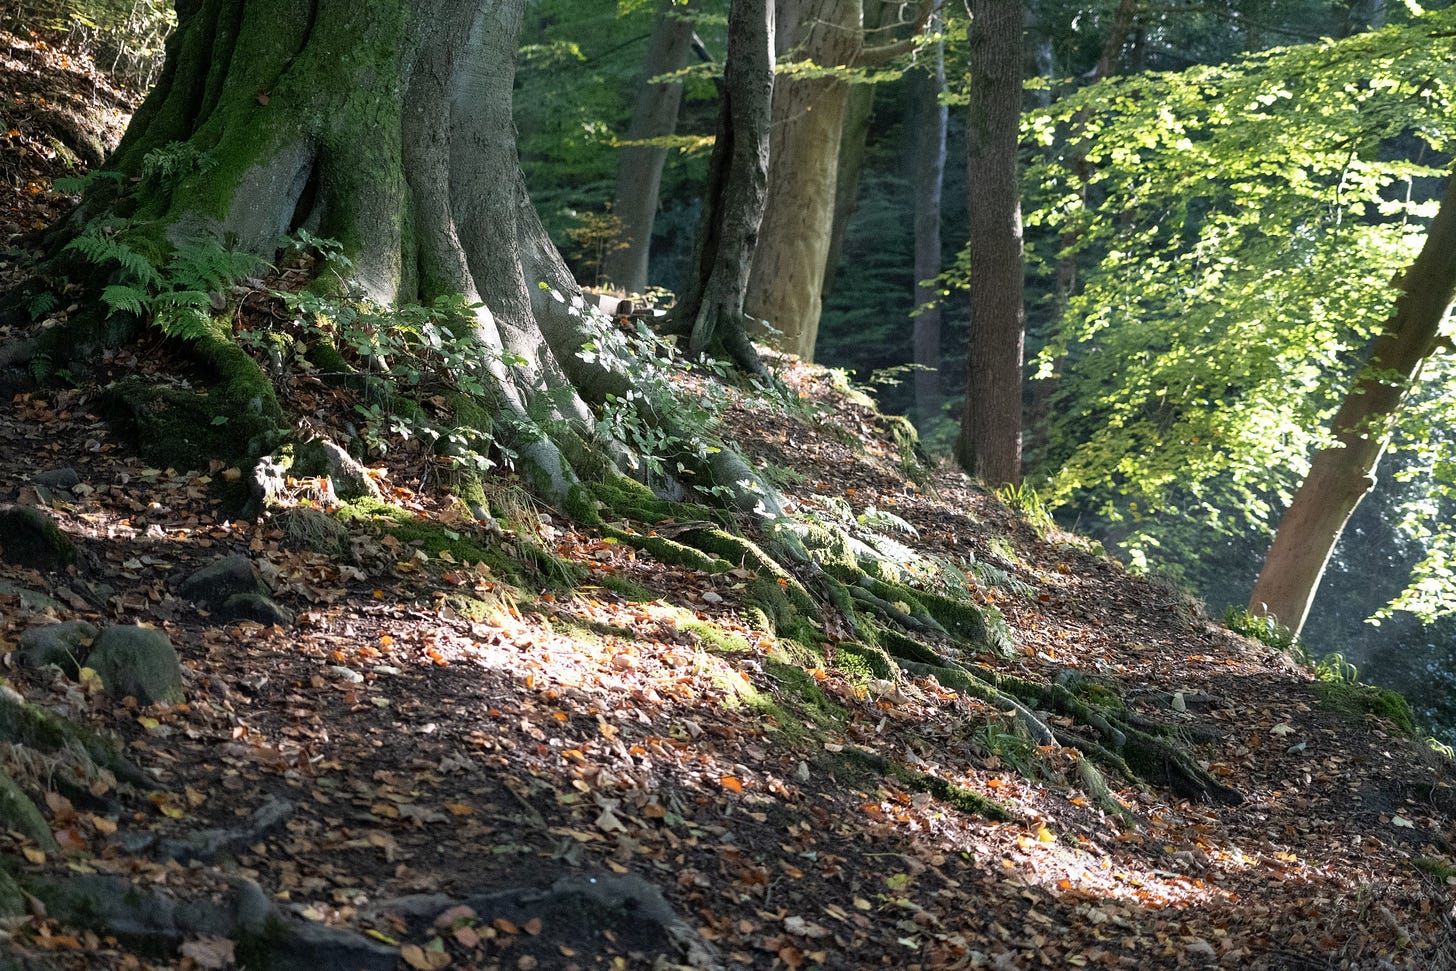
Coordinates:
[640,163]
[989,444]
[817,40]
[1341,474]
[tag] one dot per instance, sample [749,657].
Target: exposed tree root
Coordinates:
[899,622]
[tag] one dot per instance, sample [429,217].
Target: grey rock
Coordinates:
[212,585]
[29,599]
[115,905]
[31,538]
[64,645]
[254,607]
[315,947]
[12,898]
[65,478]
[140,662]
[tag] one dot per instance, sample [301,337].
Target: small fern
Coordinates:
[171,163]
[74,185]
[42,304]
[41,368]
[177,295]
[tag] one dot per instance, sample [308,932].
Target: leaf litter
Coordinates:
[419,751]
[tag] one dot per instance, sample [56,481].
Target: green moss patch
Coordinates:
[1354,698]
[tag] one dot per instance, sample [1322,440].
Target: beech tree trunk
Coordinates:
[989,445]
[387,127]
[787,282]
[639,167]
[858,110]
[808,118]
[711,311]
[1341,475]
[929,118]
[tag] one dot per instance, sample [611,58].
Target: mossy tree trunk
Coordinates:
[385,126]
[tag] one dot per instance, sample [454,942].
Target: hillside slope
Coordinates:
[582,755]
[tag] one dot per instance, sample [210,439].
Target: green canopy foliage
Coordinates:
[1237,229]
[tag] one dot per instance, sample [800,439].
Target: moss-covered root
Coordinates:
[21,815]
[25,724]
[1157,760]
[237,420]
[947,792]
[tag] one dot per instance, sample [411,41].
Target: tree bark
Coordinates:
[989,445]
[1341,475]
[808,117]
[930,119]
[787,282]
[858,110]
[711,312]
[639,167]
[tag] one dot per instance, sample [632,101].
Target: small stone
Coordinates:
[140,662]
[64,479]
[255,607]
[212,585]
[30,538]
[64,645]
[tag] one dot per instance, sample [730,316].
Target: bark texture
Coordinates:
[1340,476]
[711,312]
[787,284]
[989,445]
[639,167]
[808,117]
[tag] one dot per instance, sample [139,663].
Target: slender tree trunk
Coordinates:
[710,313]
[1341,475]
[808,120]
[858,111]
[639,167]
[930,119]
[989,445]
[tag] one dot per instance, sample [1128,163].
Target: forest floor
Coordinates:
[392,752]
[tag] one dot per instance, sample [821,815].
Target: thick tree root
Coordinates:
[900,621]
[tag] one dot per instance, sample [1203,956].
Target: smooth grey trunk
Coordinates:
[808,121]
[639,166]
[1341,475]
[929,117]
[859,109]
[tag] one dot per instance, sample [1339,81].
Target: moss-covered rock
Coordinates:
[12,897]
[65,645]
[30,538]
[255,607]
[226,577]
[140,662]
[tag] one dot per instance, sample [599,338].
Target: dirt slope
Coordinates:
[426,736]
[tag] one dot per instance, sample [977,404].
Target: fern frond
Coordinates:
[42,304]
[41,367]
[184,298]
[184,322]
[126,298]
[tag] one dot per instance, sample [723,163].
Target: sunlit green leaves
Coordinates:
[1236,229]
